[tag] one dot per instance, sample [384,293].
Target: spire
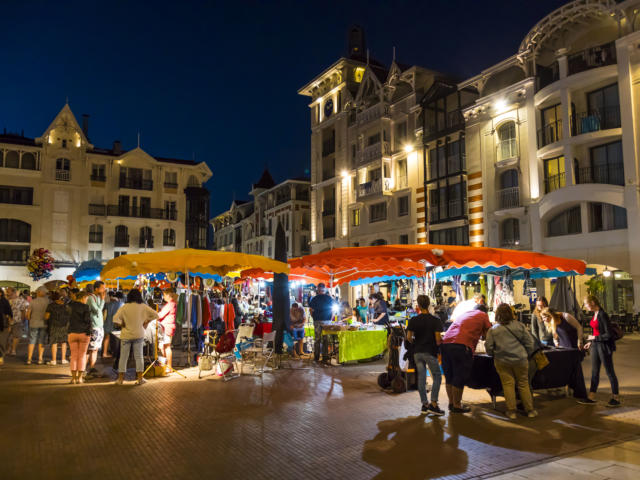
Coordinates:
[394,54]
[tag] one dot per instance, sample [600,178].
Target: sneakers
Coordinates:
[40,362]
[463,409]
[51,362]
[65,362]
[532,414]
[511,415]
[434,410]
[586,401]
[424,409]
[613,403]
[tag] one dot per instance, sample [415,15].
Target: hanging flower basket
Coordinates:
[40,264]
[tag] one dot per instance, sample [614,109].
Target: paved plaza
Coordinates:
[304,423]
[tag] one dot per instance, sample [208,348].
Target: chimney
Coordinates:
[117,147]
[85,125]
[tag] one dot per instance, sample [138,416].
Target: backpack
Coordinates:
[616,331]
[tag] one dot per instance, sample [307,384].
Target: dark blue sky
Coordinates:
[217,81]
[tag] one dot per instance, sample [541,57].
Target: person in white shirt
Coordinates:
[134,317]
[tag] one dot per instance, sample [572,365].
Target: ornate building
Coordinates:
[60,192]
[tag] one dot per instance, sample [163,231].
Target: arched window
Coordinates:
[122,236]
[28,161]
[15,239]
[95,233]
[169,237]
[12,159]
[509,193]
[146,237]
[507,146]
[567,222]
[510,233]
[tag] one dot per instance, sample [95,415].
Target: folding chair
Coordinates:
[260,354]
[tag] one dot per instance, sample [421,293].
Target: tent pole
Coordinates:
[188,320]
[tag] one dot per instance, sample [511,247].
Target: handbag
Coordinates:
[538,356]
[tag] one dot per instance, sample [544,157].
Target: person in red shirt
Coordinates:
[457,348]
[167,317]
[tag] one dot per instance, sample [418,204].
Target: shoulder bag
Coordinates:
[538,356]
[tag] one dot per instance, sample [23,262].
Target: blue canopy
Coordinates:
[470,274]
[387,278]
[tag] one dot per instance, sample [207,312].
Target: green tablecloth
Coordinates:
[357,344]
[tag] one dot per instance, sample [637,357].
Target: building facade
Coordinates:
[250,227]
[366,160]
[554,133]
[60,192]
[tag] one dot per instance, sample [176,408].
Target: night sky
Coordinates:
[218,82]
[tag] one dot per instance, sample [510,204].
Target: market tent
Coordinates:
[88,271]
[471,273]
[564,298]
[196,262]
[259,274]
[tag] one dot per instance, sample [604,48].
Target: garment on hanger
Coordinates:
[180,313]
[206,313]
[229,317]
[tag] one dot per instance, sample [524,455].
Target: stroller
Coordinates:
[401,369]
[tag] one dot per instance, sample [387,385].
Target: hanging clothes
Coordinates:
[229,318]
[180,313]
[206,313]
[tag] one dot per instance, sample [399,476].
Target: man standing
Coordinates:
[37,325]
[458,345]
[95,302]
[424,331]
[5,318]
[19,309]
[321,310]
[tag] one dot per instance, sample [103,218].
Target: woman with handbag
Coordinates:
[602,345]
[510,344]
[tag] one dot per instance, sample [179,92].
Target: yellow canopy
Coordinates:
[188,260]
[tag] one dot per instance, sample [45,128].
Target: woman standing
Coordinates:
[167,318]
[510,344]
[79,335]
[380,316]
[602,345]
[57,317]
[134,317]
[538,327]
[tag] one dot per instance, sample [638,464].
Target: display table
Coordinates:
[562,371]
[356,344]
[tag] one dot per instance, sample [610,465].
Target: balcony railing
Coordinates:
[373,113]
[509,241]
[402,182]
[121,241]
[593,57]
[329,207]
[550,133]
[136,183]
[95,237]
[508,198]
[63,175]
[170,185]
[280,199]
[506,149]
[597,119]
[612,174]
[136,212]
[146,242]
[374,152]
[95,177]
[554,182]
[374,187]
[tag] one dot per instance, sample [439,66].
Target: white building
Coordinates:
[367,183]
[554,134]
[81,202]
[250,227]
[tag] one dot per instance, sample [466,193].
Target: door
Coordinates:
[123,206]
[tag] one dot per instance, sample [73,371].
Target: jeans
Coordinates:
[78,344]
[125,348]
[601,354]
[512,375]
[424,360]
[319,344]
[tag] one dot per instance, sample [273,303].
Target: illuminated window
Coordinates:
[358,73]
[355,217]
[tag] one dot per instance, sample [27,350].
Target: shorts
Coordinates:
[167,339]
[298,333]
[457,360]
[37,335]
[97,336]
[17,329]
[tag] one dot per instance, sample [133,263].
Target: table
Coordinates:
[356,344]
[564,369]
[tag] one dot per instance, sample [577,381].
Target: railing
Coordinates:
[170,214]
[402,182]
[136,183]
[593,57]
[171,241]
[554,182]
[374,187]
[374,152]
[612,174]
[98,178]
[509,241]
[302,196]
[63,175]
[127,211]
[506,149]
[146,242]
[597,119]
[280,199]
[95,237]
[97,209]
[550,133]
[121,241]
[508,197]
[328,207]
[170,185]
[373,113]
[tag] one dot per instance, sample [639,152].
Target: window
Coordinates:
[171,179]
[401,135]
[95,255]
[606,165]
[510,233]
[507,147]
[565,223]
[401,174]
[447,202]
[95,233]
[28,161]
[450,236]
[378,212]
[551,130]
[355,217]
[169,237]
[404,239]
[554,177]
[64,143]
[373,139]
[604,107]
[14,231]
[146,237]
[403,206]
[509,193]
[604,217]
[170,211]
[122,236]
[63,169]
[12,159]
[16,195]
[117,254]
[98,172]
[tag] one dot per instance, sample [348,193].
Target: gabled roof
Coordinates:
[66,117]
[266,181]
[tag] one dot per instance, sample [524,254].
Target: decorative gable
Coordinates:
[65,132]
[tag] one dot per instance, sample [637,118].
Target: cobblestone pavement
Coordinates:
[303,423]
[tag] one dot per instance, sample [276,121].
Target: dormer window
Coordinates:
[64,143]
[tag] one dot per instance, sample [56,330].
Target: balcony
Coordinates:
[146,242]
[550,133]
[136,183]
[135,212]
[63,175]
[284,198]
[121,241]
[508,198]
[374,187]
[403,182]
[612,174]
[97,177]
[595,120]
[506,150]
[375,112]
[554,182]
[374,152]
[593,57]
[170,185]
[329,207]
